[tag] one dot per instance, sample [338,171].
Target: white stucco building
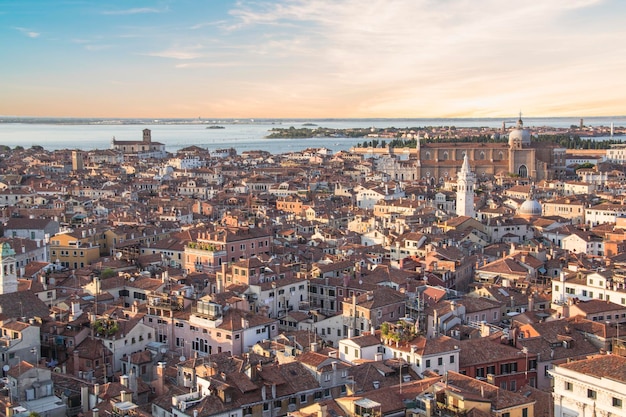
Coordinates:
[591,387]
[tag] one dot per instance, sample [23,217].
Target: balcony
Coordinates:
[206,310]
[7,343]
[166,302]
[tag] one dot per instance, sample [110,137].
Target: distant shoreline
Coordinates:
[620,121]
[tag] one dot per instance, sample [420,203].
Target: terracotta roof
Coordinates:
[480,390]
[22,304]
[600,366]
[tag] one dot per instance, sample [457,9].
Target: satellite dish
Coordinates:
[118,255]
[5,368]
[182,358]
[164,350]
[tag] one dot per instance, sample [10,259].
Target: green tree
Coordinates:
[107,273]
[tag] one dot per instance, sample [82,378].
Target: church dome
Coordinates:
[519,135]
[530,208]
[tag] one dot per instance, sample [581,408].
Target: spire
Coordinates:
[465,189]
[520,124]
[465,167]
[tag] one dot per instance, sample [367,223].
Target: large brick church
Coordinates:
[437,162]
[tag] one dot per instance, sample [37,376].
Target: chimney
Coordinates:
[76,363]
[220,280]
[95,412]
[84,398]
[159,382]
[126,396]
[485,330]
[124,381]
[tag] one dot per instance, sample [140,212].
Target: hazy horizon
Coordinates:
[312,59]
[298,119]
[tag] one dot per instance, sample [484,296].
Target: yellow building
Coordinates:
[460,394]
[74,250]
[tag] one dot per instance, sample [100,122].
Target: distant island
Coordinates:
[215,127]
[571,138]
[320,132]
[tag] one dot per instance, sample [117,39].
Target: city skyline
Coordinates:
[312,59]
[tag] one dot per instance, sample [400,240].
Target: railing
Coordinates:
[6,343]
[166,304]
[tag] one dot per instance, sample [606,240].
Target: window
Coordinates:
[592,394]
[617,402]
[524,412]
[451,358]
[428,363]
[439,361]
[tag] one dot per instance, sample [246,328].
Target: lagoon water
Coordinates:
[243,136]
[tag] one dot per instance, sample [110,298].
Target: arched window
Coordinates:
[427,156]
[481,155]
[445,156]
[523,171]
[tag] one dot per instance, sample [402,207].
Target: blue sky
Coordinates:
[312,58]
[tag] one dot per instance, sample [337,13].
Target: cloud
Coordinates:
[137,10]
[185,53]
[207,24]
[28,32]
[219,64]
[405,48]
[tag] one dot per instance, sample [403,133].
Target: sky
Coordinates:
[312,58]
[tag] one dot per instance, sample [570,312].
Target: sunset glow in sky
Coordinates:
[312,58]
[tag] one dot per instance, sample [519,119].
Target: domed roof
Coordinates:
[530,208]
[519,134]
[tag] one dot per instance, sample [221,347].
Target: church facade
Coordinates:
[436,162]
[142,149]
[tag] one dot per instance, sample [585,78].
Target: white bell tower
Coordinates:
[465,190]
[8,274]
